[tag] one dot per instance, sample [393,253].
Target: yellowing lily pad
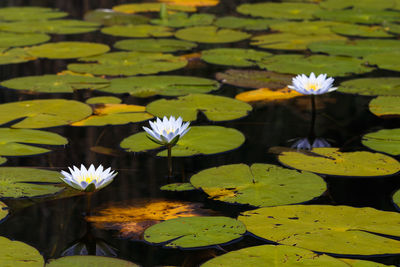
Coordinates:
[103,100]
[237,57]
[9,39]
[215,108]
[387,61]
[179,20]
[30,13]
[258,185]
[19,254]
[249,24]
[150,7]
[177,187]
[361,30]
[191,2]
[194,232]
[87,260]
[109,17]
[63,50]
[332,229]
[211,34]
[387,141]
[362,16]
[385,106]
[200,140]
[15,55]
[332,162]
[372,86]
[266,94]
[43,113]
[3,211]
[154,45]
[142,31]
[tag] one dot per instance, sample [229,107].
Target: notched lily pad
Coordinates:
[387,61]
[138,31]
[16,253]
[385,106]
[14,55]
[180,19]
[389,86]
[87,260]
[387,141]
[178,187]
[211,34]
[9,39]
[30,13]
[64,50]
[154,45]
[237,57]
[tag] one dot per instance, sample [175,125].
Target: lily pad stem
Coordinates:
[169,147]
[311,134]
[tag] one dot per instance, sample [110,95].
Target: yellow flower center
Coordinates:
[312,86]
[88,179]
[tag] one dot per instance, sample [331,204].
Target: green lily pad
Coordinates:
[372,86]
[64,50]
[237,57]
[248,24]
[93,261]
[362,16]
[194,232]
[14,55]
[154,45]
[150,7]
[215,108]
[177,187]
[3,211]
[330,161]
[385,106]
[363,263]
[55,83]
[254,78]
[167,85]
[18,142]
[368,4]
[392,27]
[290,41]
[9,39]
[19,254]
[332,65]
[138,31]
[361,30]
[43,113]
[259,185]
[109,17]
[396,199]
[19,182]
[211,34]
[180,19]
[200,140]
[103,100]
[387,61]
[279,10]
[30,13]
[332,229]
[316,27]
[129,63]
[356,48]
[387,141]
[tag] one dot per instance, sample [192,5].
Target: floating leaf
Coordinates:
[332,162]
[16,253]
[150,7]
[9,39]
[3,211]
[191,2]
[168,85]
[51,83]
[86,260]
[279,10]
[138,31]
[254,78]
[385,106]
[63,50]
[315,27]
[396,199]
[115,114]
[363,263]
[265,94]
[372,86]
[360,30]
[154,45]
[362,16]
[211,34]
[177,187]
[331,229]
[387,61]
[332,65]
[369,4]
[103,100]
[200,140]
[43,113]
[392,27]
[30,13]
[129,63]
[179,20]
[237,57]
[193,232]
[15,55]
[28,182]
[244,23]
[215,108]
[109,17]
[387,141]
[258,185]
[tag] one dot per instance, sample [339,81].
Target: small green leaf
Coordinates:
[177,187]
[387,141]
[19,254]
[211,34]
[63,50]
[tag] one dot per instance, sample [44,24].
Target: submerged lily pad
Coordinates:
[387,141]
[385,106]
[248,24]
[332,229]
[362,16]
[87,260]
[64,50]
[372,86]
[128,63]
[215,108]
[177,187]
[30,13]
[332,162]
[194,232]
[14,55]
[237,57]
[168,85]
[154,45]
[150,7]
[258,185]
[103,100]
[9,39]
[361,30]
[387,61]
[19,182]
[178,20]
[211,34]
[51,83]
[142,31]
[109,17]
[279,10]
[43,113]
[16,253]
[369,4]
[3,211]
[200,140]
[316,27]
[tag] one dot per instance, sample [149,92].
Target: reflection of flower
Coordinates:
[304,143]
[312,85]
[167,131]
[88,179]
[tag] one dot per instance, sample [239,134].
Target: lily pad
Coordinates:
[168,85]
[316,27]
[194,232]
[332,65]
[372,86]
[138,31]
[19,182]
[237,57]
[150,7]
[265,94]
[180,19]
[200,140]
[194,3]
[154,45]
[332,229]
[363,263]
[296,11]
[259,185]
[43,113]
[387,61]
[361,30]
[254,78]
[362,16]
[211,34]
[215,108]
[30,13]
[9,39]
[387,141]
[86,260]
[103,100]
[19,254]
[3,211]
[392,27]
[109,17]
[14,55]
[368,4]
[129,63]
[332,162]
[248,24]
[385,106]
[177,187]
[396,199]
[64,50]
[55,83]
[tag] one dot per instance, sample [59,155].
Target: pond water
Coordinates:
[53,225]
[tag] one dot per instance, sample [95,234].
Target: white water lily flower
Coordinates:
[167,131]
[312,85]
[88,179]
